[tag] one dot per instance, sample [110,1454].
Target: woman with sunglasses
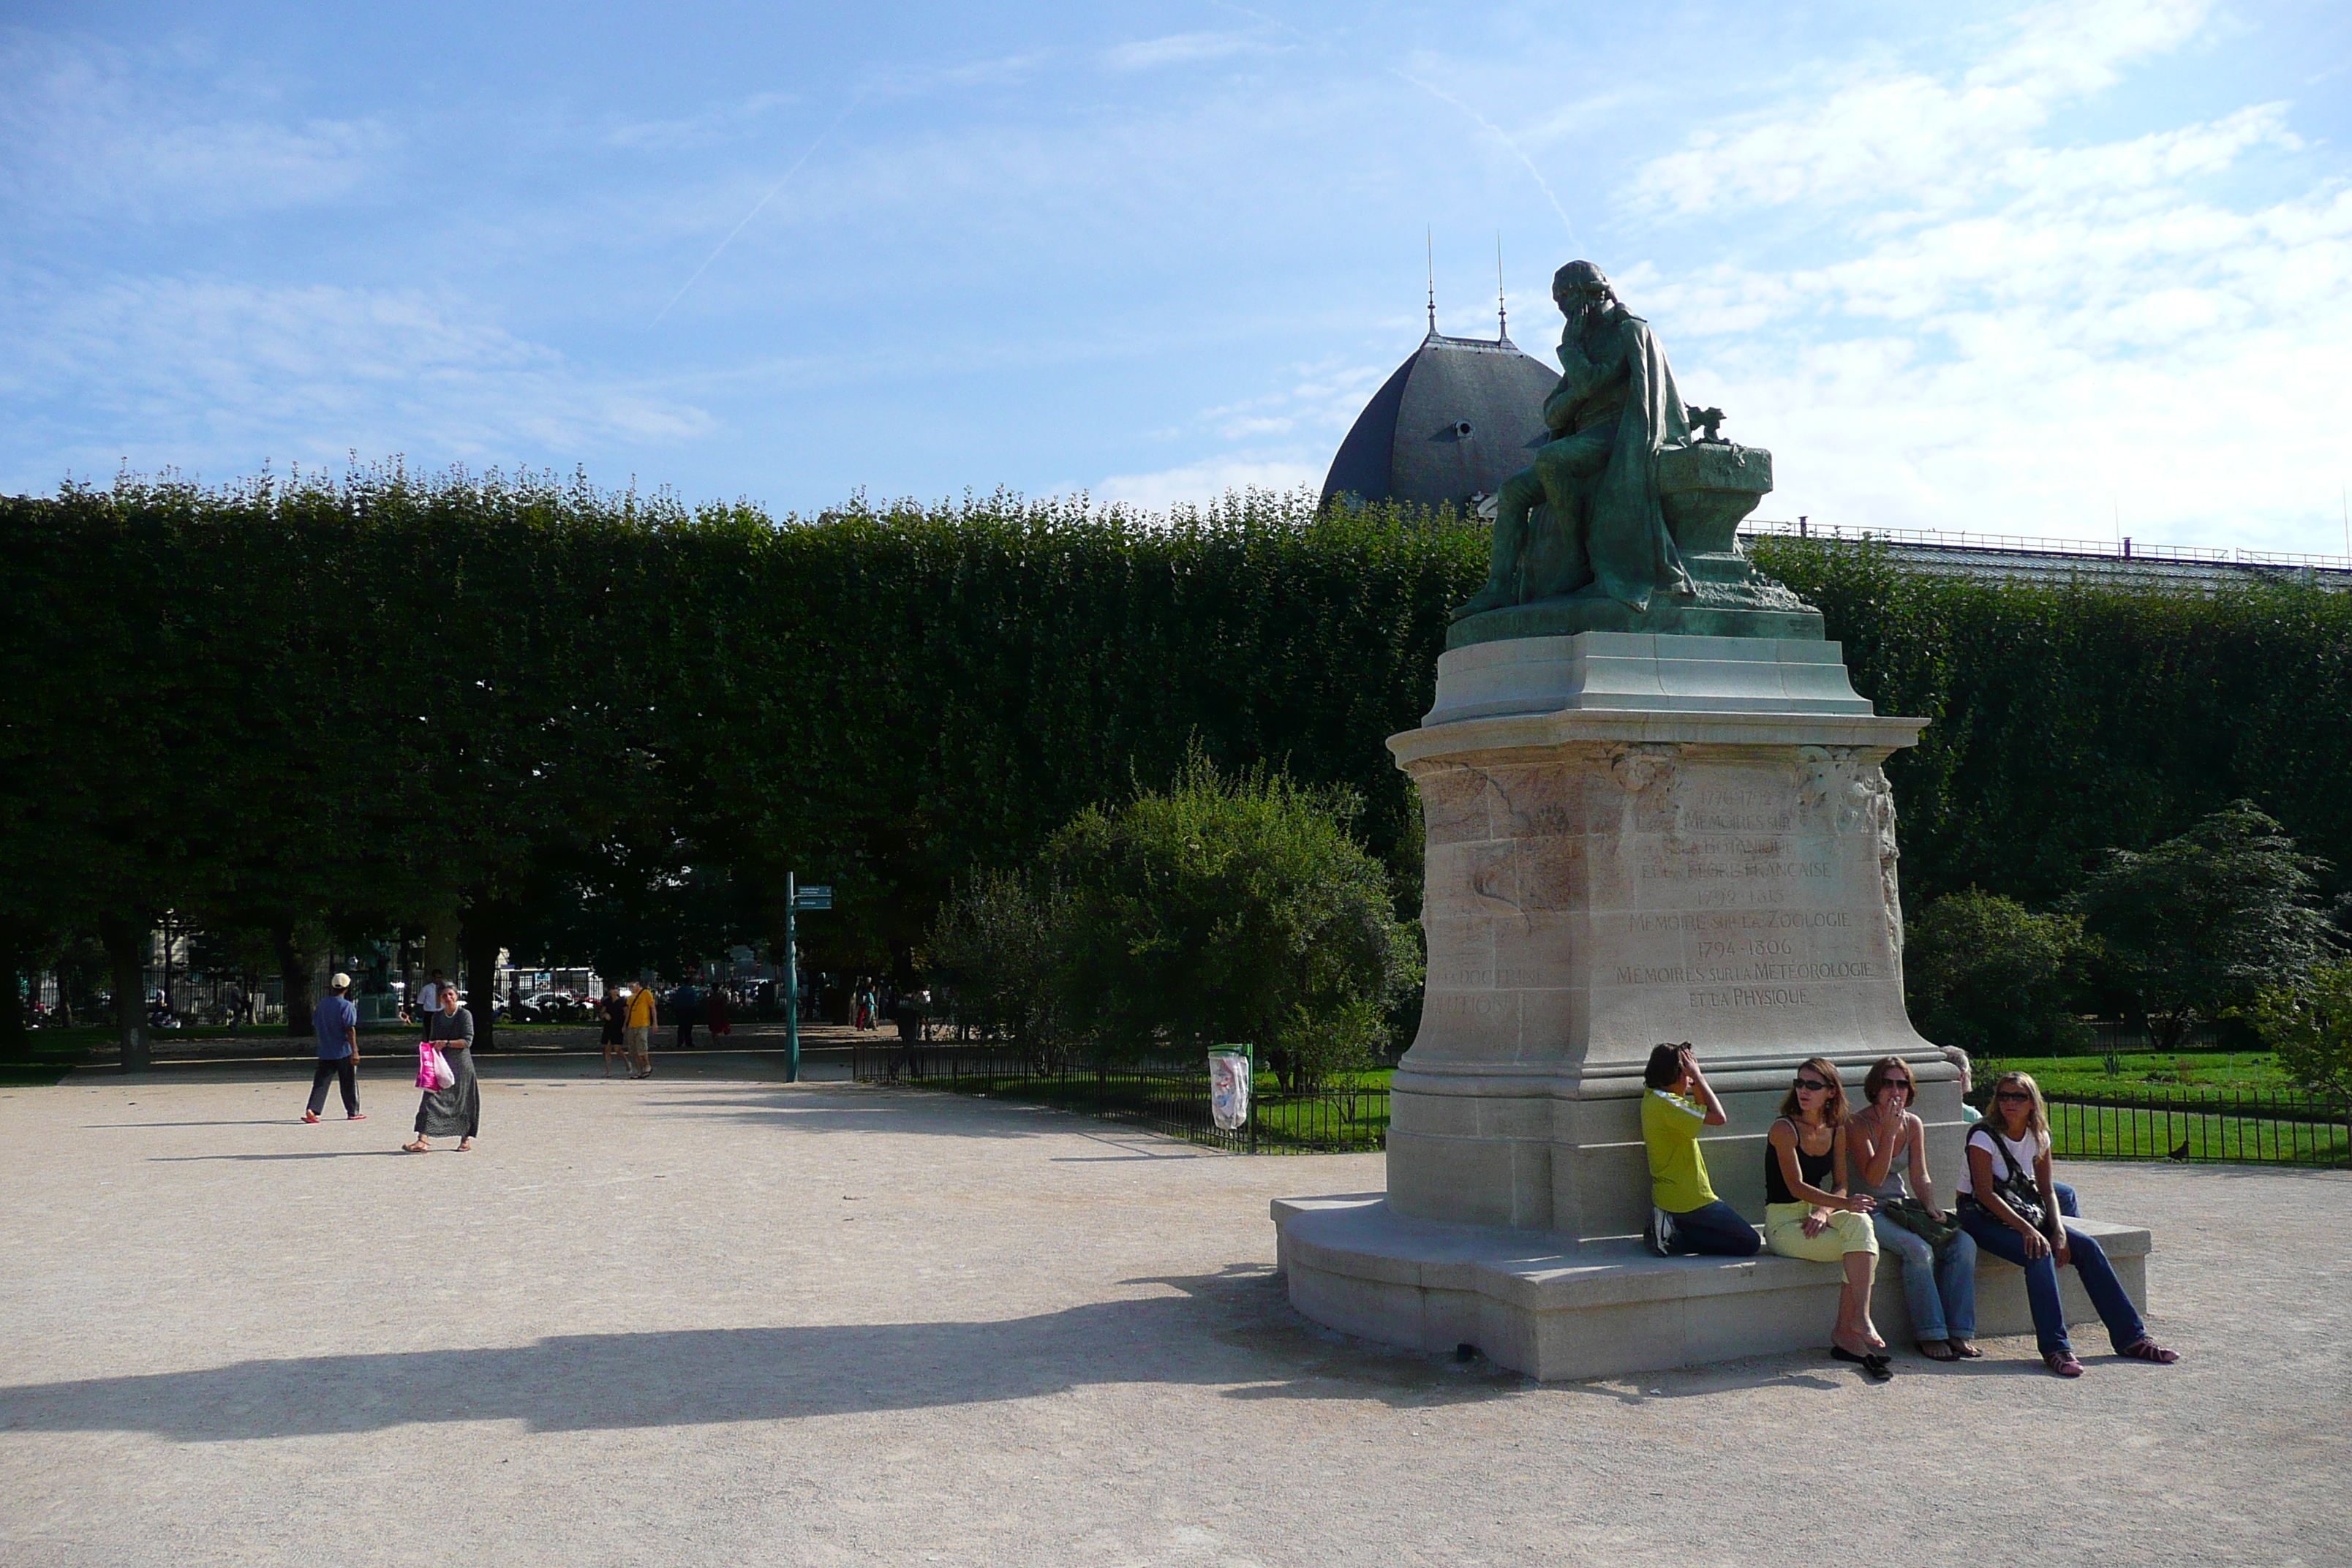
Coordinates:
[2007,1204]
[1939,1277]
[1807,1213]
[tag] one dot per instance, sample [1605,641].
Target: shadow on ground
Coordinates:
[1232,1329]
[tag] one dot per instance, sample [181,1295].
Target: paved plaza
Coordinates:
[714,1318]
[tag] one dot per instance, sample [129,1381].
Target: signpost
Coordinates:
[796,899]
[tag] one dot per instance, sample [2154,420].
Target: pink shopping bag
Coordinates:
[428,1064]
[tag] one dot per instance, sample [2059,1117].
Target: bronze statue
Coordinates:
[1585,520]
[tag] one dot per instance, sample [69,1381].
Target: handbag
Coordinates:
[2017,1188]
[429,1066]
[1913,1215]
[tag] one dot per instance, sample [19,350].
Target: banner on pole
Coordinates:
[1229,1088]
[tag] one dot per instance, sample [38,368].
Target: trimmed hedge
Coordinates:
[550,706]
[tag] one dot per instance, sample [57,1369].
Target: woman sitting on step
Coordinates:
[2007,1204]
[1887,1142]
[1808,1215]
[1685,1217]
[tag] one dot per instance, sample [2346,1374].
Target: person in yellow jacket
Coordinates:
[644,1014]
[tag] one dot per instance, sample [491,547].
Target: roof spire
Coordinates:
[1431,238]
[1502,301]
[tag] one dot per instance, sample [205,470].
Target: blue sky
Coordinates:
[2030,272]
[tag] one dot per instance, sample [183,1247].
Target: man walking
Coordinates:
[644,1013]
[336,1022]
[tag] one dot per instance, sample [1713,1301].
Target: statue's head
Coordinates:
[1582,290]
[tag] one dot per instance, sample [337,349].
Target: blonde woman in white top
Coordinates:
[2007,1204]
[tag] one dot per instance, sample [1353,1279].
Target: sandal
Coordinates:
[2064,1363]
[419,1147]
[1964,1351]
[1938,1350]
[2148,1350]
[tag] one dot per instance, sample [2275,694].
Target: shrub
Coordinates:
[2308,1022]
[1987,975]
[1230,908]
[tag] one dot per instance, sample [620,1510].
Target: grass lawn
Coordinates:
[2146,1071]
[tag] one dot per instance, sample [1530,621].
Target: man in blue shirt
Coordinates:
[337,1024]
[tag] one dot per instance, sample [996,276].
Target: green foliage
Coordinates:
[2067,721]
[2308,1022]
[997,942]
[1987,975]
[2197,924]
[1229,908]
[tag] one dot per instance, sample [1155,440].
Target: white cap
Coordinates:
[341,982]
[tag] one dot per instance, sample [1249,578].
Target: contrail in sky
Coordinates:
[764,202]
[1504,138]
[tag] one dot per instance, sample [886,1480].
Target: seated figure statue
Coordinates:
[1585,519]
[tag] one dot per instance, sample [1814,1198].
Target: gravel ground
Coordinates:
[714,1319]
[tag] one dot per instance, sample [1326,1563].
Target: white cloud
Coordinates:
[201,370]
[712,127]
[1198,484]
[2096,337]
[88,131]
[1908,136]
[1181,49]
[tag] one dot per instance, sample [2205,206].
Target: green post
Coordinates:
[791,979]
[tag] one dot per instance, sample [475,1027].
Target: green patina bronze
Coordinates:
[1626,521]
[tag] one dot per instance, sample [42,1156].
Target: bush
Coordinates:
[1987,975]
[1229,909]
[996,941]
[2308,1023]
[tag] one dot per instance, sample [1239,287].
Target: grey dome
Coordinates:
[1410,443]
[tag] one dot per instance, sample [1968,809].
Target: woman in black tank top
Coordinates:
[1808,1215]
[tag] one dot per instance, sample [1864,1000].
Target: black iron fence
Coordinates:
[2264,1127]
[1166,1096]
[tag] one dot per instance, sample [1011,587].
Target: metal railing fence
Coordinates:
[1166,1096]
[2258,1127]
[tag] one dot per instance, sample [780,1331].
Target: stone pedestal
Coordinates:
[1635,840]
[1632,839]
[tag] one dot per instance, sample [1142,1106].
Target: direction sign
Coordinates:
[818,898]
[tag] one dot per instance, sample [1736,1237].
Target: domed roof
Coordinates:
[1456,420]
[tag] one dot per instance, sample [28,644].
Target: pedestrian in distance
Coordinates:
[684,1004]
[614,1009]
[455,1110]
[1807,1213]
[644,1016]
[717,1015]
[1685,1217]
[336,1022]
[428,997]
[1887,1146]
[2007,1204]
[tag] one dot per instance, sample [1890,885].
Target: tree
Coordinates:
[997,942]
[1229,909]
[2308,1022]
[2199,923]
[1987,975]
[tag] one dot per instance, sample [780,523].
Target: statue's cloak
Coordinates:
[1632,550]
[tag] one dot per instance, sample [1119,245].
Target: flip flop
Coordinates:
[1964,1351]
[1938,1350]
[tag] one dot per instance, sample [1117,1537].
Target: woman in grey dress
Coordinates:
[457,1110]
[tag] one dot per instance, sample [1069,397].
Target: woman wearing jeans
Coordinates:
[1939,1282]
[1685,1215]
[2007,1204]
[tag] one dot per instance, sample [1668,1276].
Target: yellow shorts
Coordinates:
[1784,1232]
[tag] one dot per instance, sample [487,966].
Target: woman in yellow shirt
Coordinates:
[1685,1217]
